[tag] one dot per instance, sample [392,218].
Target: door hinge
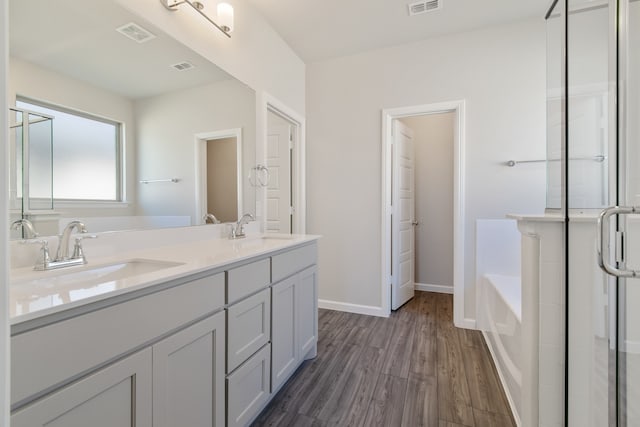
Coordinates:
[619,246]
[291,210]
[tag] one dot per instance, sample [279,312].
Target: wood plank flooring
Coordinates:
[411,369]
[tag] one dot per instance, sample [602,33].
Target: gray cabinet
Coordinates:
[284,331]
[308,309]
[248,388]
[294,324]
[116,396]
[189,376]
[249,327]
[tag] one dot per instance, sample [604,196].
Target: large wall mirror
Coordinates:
[138,120]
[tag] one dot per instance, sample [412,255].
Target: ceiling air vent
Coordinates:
[183,66]
[420,7]
[135,32]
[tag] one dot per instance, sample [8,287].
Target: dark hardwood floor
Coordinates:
[411,369]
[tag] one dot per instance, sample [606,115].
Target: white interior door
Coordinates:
[403,214]
[279,187]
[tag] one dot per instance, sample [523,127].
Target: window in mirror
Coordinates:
[86,154]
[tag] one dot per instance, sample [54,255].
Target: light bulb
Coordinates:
[225,17]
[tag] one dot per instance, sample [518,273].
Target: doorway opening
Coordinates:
[281,143]
[398,205]
[219,183]
[283,153]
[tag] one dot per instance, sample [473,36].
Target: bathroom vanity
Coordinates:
[190,334]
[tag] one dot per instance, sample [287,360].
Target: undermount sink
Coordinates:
[47,289]
[93,275]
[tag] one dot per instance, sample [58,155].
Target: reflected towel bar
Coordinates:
[599,158]
[149,181]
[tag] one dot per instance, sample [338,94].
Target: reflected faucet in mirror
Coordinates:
[210,218]
[29,232]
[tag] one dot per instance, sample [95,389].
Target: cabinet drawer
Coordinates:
[288,263]
[248,328]
[77,345]
[248,388]
[245,280]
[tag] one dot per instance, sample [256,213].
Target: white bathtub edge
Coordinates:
[514,413]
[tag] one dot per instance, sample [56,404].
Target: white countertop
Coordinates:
[34,294]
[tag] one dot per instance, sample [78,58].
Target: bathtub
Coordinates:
[502,330]
[499,303]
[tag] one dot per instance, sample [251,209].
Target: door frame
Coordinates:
[201,168]
[268,103]
[388,116]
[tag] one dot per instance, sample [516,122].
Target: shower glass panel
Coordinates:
[30,163]
[602,113]
[40,163]
[591,128]
[15,163]
[555,80]
[628,362]
[587,105]
[588,118]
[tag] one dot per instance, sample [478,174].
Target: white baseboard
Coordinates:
[441,289]
[467,323]
[352,308]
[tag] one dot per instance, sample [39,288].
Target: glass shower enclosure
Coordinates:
[30,164]
[593,127]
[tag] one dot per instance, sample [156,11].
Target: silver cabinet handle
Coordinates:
[603,237]
[414,223]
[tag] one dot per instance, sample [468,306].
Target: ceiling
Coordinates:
[82,43]
[322,29]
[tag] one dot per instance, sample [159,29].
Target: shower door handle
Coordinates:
[604,240]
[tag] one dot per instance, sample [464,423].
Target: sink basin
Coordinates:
[47,289]
[92,275]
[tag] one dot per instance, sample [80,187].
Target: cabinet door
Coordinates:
[248,327]
[284,342]
[116,396]
[248,388]
[307,311]
[188,376]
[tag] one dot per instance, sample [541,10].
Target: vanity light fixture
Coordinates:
[224,12]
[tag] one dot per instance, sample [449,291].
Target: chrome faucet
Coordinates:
[27,228]
[62,258]
[210,217]
[237,231]
[63,245]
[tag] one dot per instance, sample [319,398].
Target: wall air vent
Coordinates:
[420,7]
[135,32]
[183,66]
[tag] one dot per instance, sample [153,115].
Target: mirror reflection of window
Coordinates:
[222,169]
[86,157]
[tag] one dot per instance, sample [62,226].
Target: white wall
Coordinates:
[166,142]
[499,71]
[32,81]
[4,218]
[433,142]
